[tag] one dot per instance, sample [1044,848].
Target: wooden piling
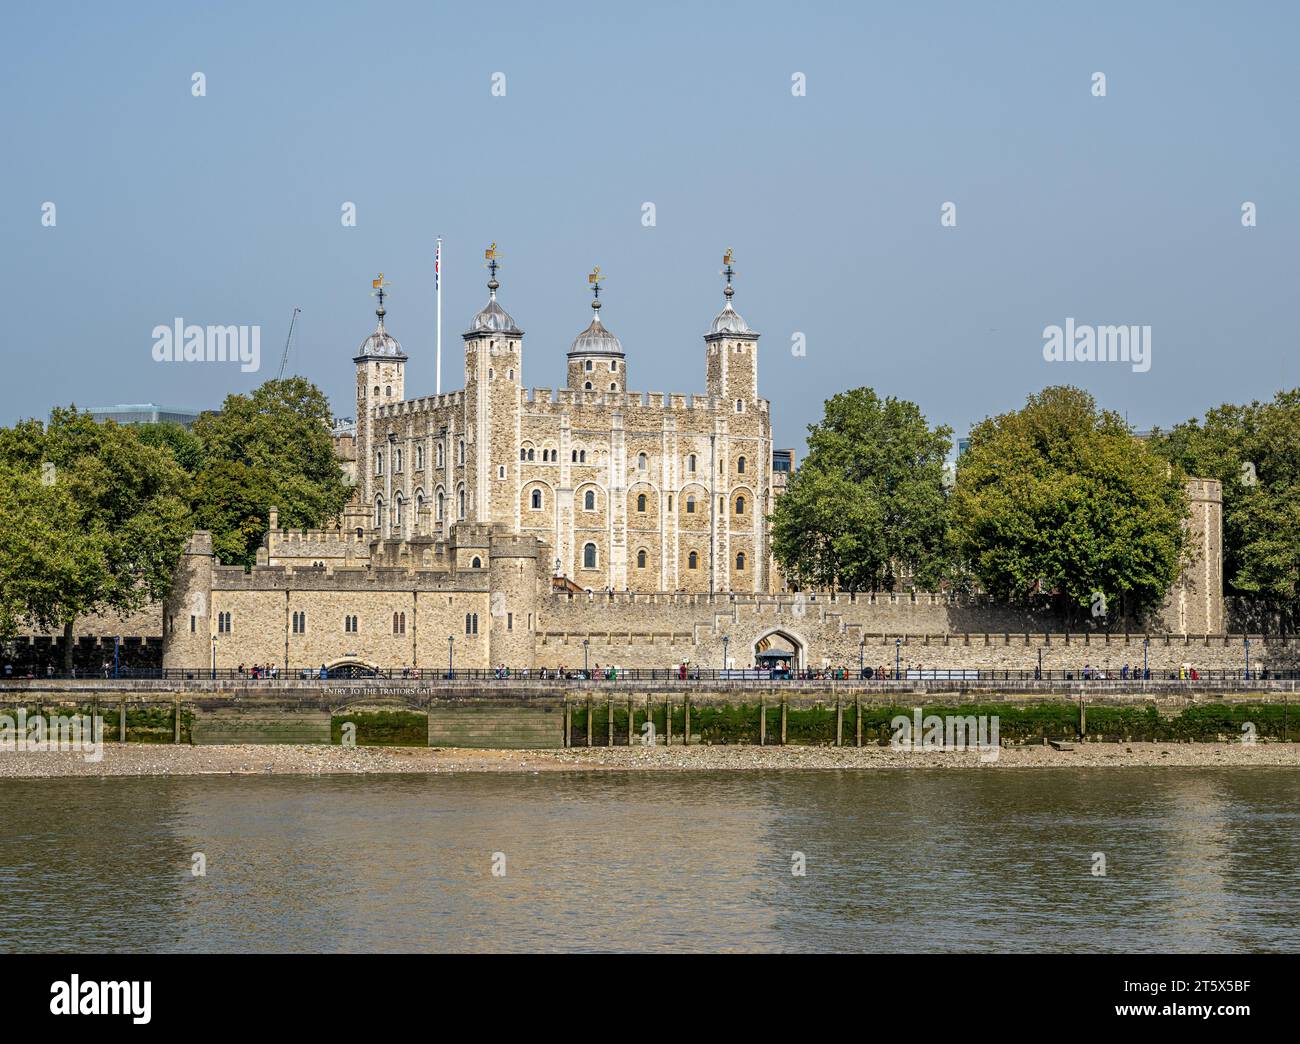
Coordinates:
[762,720]
[668,723]
[857,721]
[609,721]
[121,722]
[784,709]
[176,733]
[589,717]
[686,722]
[839,722]
[629,721]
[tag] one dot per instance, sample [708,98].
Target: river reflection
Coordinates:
[930,860]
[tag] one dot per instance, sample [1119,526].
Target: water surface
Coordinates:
[917,860]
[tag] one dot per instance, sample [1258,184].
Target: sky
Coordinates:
[226,208]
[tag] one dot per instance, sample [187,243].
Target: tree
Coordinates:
[1061,499]
[868,505]
[271,448]
[1254,451]
[92,520]
[184,445]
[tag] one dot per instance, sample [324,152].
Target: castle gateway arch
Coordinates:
[778,647]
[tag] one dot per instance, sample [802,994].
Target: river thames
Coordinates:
[1197,860]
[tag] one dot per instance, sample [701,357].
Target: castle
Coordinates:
[587,525]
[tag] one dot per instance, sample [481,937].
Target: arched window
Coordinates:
[589,501]
[439,503]
[471,623]
[613,387]
[379,462]
[397,510]
[740,505]
[439,457]
[419,458]
[388,390]
[589,556]
[461,450]
[587,386]
[397,459]
[690,463]
[582,456]
[642,462]
[537,500]
[379,511]
[613,366]
[588,364]
[690,503]
[693,561]
[460,502]
[530,454]
[419,503]
[640,559]
[477,563]
[640,502]
[740,561]
[740,465]
[523,453]
[740,405]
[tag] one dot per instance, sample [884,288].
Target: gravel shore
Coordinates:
[165,760]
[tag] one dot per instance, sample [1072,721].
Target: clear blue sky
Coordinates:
[225,209]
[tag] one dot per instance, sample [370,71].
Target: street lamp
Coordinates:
[862,658]
[214,657]
[898,652]
[725,640]
[1247,641]
[1146,643]
[586,672]
[451,645]
[117,643]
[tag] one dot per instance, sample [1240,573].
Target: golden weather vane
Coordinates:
[493,260]
[594,279]
[729,271]
[379,288]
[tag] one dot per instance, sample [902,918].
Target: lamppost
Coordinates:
[451,645]
[214,657]
[1038,676]
[117,642]
[862,658]
[725,640]
[1247,641]
[1146,643]
[898,652]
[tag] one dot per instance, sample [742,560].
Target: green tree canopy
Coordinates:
[1061,498]
[271,448]
[1254,451]
[91,520]
[868,503]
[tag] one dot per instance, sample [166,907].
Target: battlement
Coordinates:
[427,404]
[334,578]
[558,400]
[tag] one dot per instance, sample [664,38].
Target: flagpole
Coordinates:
[437,286]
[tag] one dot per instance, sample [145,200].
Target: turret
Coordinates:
[732,353]
[596,359]
[381,374]
[493,379]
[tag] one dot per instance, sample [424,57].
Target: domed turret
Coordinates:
[596,359]
[380,344]
[492,318]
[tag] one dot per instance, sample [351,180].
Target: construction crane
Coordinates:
[284,359]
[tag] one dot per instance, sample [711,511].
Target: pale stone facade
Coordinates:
[633,492]
[540,529]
